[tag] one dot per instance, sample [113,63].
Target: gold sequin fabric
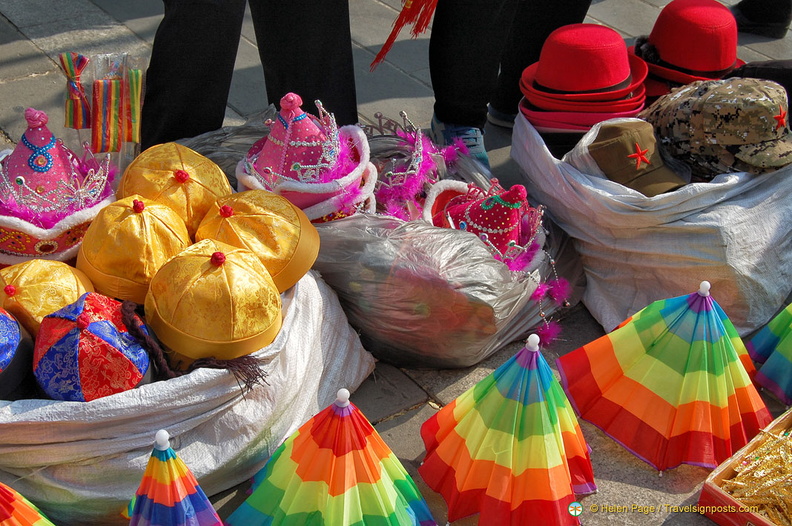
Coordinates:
[278,232]
[124,248]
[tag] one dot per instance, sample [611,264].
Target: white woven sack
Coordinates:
[735,232]
[81,462]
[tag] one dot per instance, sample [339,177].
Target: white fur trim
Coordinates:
[336,203]
[245,181]
[445,185]
[71,221]
[360,143]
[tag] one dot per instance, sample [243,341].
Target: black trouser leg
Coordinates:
[190,70]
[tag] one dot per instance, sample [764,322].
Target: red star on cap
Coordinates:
[639,156]
[780,118]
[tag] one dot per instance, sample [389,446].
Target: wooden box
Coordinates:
[720,506]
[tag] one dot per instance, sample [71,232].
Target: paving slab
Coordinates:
[628,18]
[43,91]
[402,434]
[388,91]
[409,54]
[387,392]
[51,15]
[657,3]
[20,57]
[767,48]
[141,16]
[100,39]
[248,92]
[226,502]
[70,25]
[497,141]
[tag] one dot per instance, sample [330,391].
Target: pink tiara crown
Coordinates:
[397,172]
[408,164]
[42,181]
[299,146]
[48,195]
[321,168]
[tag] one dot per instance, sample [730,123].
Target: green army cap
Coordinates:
[627,152]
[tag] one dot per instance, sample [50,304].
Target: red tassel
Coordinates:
[416,12]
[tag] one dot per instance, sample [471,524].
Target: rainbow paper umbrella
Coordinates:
[169,494]
[16,510]
[671,384]
[509,448]
[335,470]
[772,347]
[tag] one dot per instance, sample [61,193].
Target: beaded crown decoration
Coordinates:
[322,169]
[502,219]
[511,229]
[42,181]
[408,163]
[299,146]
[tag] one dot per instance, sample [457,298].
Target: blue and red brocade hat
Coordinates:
[84,351]
[16,354]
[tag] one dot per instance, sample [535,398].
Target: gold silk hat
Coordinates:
[176,176]
[127,243]
[213,300]
[33,289]
[273,228]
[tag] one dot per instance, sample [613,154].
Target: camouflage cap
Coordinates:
[717,126]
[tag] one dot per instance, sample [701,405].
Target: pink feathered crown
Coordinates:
[408,163]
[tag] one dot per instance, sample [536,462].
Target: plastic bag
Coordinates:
[81,462]
[424,296]
[733,231]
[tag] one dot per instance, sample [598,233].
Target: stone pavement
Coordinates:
[397,401]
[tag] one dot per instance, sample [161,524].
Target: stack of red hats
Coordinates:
[584,76]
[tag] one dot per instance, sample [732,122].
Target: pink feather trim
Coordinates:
[459,145]
[559,290]
[540,292]
[348,160]
[450,154]
[548,333]
[402,190]
[522,261]
[348,200]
